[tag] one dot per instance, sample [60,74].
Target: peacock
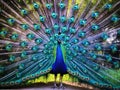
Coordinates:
[75,37]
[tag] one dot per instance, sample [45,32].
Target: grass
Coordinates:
[50,78]
[67,78]
[115,74]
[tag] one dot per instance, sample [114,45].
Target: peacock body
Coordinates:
[59,36]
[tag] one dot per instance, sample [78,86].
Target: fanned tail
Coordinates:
[89,33]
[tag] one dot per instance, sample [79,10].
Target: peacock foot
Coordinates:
[61,86]
[55,86]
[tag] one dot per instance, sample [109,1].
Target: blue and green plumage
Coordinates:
[59,65]
[68,36]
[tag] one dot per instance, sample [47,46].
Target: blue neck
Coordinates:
[59,55]
[59,65]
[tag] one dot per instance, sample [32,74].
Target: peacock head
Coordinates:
[59,41]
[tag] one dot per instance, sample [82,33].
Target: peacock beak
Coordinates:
[59,41]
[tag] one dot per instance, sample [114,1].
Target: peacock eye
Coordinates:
[75,7]
[12,20]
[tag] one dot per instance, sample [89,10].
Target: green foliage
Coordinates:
[113,73]
[50,78]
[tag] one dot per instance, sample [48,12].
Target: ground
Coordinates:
[48,86]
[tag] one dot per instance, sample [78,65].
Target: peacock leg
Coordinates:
[61,84]
[55,85]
